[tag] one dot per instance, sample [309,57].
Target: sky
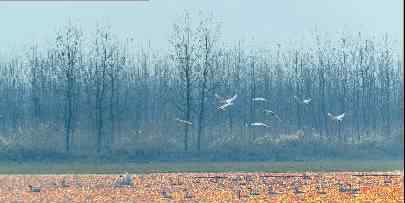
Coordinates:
[261,23]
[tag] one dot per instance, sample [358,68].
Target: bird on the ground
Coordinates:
[355,191]
[271,192]
[34,188]
[258,124]
[188,195]
[298,191]
[320,188]
[338,118]
[165,194]
[387,180]
[125,180]
[344,188]
[303,101]
[254,192]
[184,121]
[64,183]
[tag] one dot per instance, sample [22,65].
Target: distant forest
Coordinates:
[98,96]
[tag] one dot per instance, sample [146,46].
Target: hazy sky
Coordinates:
[267,21]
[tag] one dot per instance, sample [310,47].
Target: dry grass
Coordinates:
[103,167]
[207,187]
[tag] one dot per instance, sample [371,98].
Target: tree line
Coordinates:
[101,95]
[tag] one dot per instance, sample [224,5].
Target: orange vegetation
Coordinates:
[207,187]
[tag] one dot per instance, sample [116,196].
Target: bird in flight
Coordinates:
[226,102]
[256,124]
[260,99]
[224,106]
[271,113]
[184,121]
[338,118]
[303,101]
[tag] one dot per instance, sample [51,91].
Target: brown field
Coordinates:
[207,187]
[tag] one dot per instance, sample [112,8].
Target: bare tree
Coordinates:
[185,56]
[97,90]
[69,56]
[207,33]
[104,61]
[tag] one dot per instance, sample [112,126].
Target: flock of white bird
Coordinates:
[226,103]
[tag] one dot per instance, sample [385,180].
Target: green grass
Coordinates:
[97,167]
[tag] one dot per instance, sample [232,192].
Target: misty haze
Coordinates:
[87,96]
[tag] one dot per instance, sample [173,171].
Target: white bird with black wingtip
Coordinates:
[226,102]
[303,101]
[338,118]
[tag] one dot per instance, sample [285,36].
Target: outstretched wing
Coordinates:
[331,116]
[233,98]
[260,124]
[184,121]
[341,116]
[259,99]
[223,107]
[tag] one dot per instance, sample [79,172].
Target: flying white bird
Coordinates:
[226,102]
[272,114]
[259,99]
[184,122]
[223,107]
[259,125]
[338,118]
[303,101]
[306,101]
